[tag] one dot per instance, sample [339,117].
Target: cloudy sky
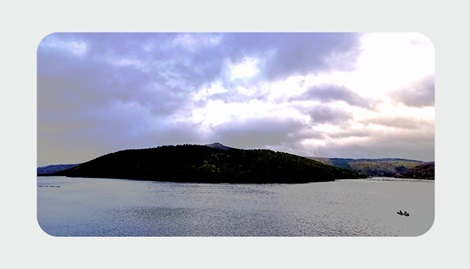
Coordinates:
[351,95]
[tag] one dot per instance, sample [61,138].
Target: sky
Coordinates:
[336,95]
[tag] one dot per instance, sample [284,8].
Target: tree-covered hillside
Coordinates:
[425,171]
[198,163]
[388,167]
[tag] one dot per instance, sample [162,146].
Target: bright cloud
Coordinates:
[245,69]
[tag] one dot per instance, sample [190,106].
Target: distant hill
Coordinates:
[387,167]
[213,163]
[218,146]
[425,171]
[51,169]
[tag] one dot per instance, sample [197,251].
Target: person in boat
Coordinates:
[406,214]
[399,212]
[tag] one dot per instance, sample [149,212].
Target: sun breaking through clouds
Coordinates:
[351,95]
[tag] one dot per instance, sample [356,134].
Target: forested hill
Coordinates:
[212,163]
[387,167]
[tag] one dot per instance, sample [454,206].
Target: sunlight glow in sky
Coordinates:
[350,95]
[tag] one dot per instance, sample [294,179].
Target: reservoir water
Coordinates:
[118,207]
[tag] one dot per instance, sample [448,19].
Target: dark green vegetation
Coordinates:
[213,163]
[390,167]
[425,171]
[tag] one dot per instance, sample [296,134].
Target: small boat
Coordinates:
[406,214]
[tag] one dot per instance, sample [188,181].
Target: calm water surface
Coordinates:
[117,207]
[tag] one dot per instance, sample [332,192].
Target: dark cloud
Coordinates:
[289,54]
[281,54]
[121,66]
[174,133]
[325,114]
[351,134]
[252,133]
[329,93]
[418,94]
[102,92]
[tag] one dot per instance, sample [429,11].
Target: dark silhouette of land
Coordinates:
[219,163]
[51,169]
[214,163]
